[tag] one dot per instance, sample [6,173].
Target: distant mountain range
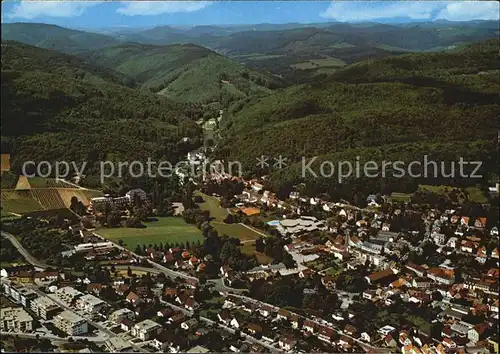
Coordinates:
[260,45]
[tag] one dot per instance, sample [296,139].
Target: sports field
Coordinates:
[166,230]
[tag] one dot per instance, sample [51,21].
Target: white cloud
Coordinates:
[148,8]
[414,10]
[33,9]
[470,10]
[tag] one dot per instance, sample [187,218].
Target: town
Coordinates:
[250,177]
[390,276]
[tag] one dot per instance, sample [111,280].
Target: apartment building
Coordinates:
[68,294]
[122,314]
[44,307]
[146,329]
[118,345]
[70,323]
[15,319]
[90,304]
[26,296]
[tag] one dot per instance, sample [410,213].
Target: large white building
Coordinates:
[70,323]
[90,304]
[44,307]
[295,227]
[121,314]
[68,294]
[146,329]
[15,319]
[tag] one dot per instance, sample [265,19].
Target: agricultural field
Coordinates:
[473,193]
[83,195]
[318,63]
[19,202]
[170,229]
[41,182]
[49,198]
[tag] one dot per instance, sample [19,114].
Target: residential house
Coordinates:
[236,323]
[146,329]
[365,337]
[287,343]
[134,299]
[253,328]
[119,315]
[326,334]
[351,330]
[265,310]
[478,333]
[224,317]
[309,326]
[190,324]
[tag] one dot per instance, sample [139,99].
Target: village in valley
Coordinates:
[174,177]
[251,273]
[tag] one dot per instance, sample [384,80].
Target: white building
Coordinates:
[146,329]
[90,304]
[122,314]
[44,307]
[301,225]
[70,323]
[68,294]
[15,319]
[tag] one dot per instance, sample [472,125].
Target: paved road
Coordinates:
[50,337]
[248,338]
[340,332]
[167,271]
[29,258]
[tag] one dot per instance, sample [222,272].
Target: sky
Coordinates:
[102,14]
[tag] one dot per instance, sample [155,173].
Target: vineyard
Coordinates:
[83,195]
[49,198]
[19,202]
[41,182]
[38,199]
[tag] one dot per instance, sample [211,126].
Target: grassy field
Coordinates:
[249,249]
[21,205]
[213,206]
[474,193]
[171,230]
[234,230]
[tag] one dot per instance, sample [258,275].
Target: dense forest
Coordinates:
[187,73]
[444,105]
[55,106]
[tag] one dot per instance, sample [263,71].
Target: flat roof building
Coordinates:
[44,307]
[15,319]
[70,323]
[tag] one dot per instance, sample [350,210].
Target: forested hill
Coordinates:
[55,37]
[184,72]
[401,108]
[55,107]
